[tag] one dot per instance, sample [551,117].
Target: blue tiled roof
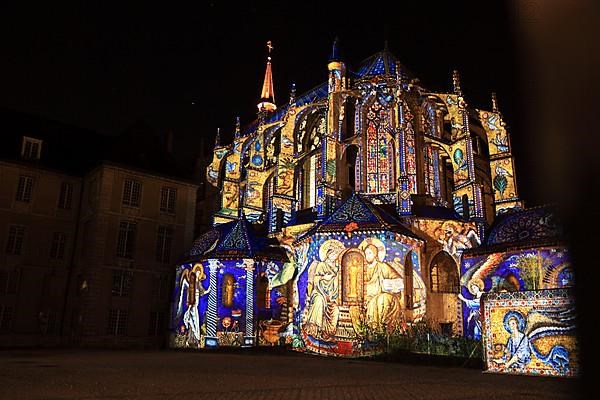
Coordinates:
[382,63]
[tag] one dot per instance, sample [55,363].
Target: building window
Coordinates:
[117,322]
[58,245]
[444,274]
[8,282]
[163,244]
[122,281]
[14,245]
[66,196]
[24,189]
[155,323]
[31,149]
[131,193]
[6,317]
[168,198]
[126,239]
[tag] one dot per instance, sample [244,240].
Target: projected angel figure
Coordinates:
[521,344]
[192,281]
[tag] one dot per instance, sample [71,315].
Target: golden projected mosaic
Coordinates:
[531,333]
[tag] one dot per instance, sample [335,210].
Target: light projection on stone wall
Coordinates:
[503,180]
[455,236]
[354,286]
[190,300]
[495,130]
[511,271]
[531,333]
[379,152]
[238,300]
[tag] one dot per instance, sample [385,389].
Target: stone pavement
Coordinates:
[113,374]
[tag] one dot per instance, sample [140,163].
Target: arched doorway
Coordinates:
[443,274]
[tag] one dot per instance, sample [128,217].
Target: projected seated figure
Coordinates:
[383,288]
[322,310]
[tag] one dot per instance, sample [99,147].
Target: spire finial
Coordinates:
[335,50]
[456,82]
[218,138]
[494,102]
[267,95]
[385,45]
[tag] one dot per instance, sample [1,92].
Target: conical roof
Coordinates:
[366,215]
[234,240]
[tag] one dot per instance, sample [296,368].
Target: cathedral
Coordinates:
[350,210]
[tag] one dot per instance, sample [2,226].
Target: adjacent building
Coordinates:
[90,228]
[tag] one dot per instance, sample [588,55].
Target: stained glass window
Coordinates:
[411,165]
[432,172]
[380,164]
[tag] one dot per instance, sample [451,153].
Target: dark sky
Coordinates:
[194,69]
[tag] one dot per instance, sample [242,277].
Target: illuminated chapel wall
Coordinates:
[355,286]
[529,269]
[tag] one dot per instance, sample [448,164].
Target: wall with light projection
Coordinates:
[352,287]
[530,269]
[227,303]
[531,333]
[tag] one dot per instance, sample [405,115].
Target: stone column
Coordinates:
[211,312]
[249,335]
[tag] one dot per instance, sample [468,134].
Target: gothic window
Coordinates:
[444,274]
[432,171]
[312,168]
[379,150]
[409,151]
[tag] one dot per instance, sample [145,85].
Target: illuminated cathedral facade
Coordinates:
[347,211]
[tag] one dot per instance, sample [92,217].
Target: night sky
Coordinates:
[194,69]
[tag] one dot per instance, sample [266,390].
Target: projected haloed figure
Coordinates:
[383,287]
[322,311]
[518,346]
[192,280]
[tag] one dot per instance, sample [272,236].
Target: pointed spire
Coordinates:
[293,94]
[237,127]
[456,83]
[494,102]
[400,77]
[218,138]
[335,50]
[267,95]
[385,45]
